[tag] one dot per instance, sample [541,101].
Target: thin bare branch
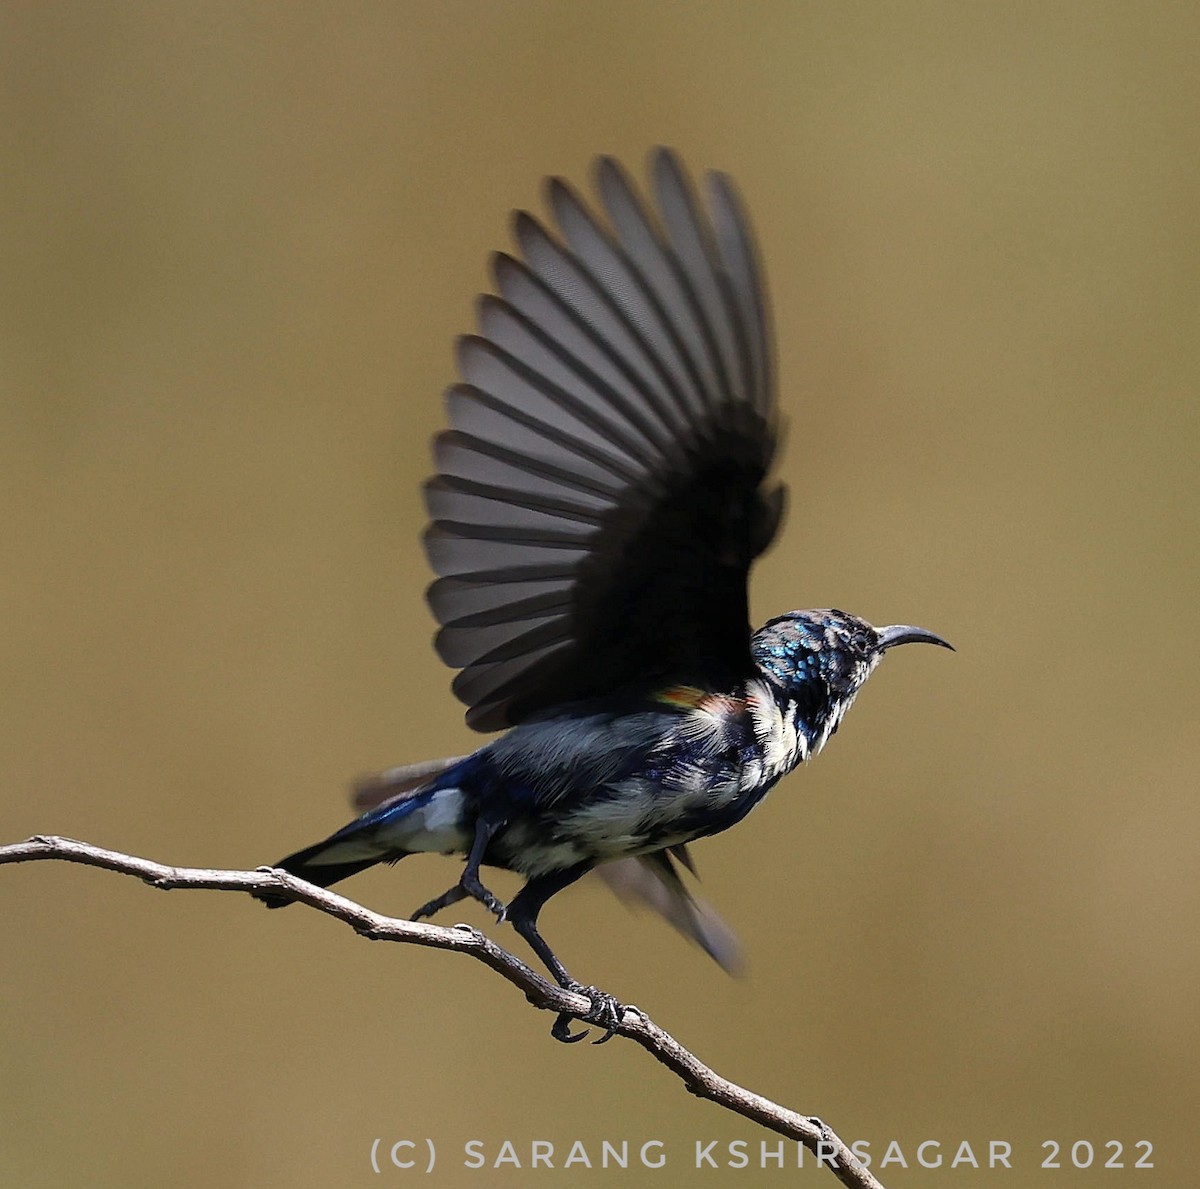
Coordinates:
[636,1026]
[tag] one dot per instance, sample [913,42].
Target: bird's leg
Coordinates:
[469,884]
[606,1011]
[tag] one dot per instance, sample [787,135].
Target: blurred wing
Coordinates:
[599,499]
[397,784]
[653,881]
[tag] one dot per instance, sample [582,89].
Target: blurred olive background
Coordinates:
[237,243]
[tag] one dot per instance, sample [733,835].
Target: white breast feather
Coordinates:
[783,745]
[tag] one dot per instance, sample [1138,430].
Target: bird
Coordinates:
[599,497]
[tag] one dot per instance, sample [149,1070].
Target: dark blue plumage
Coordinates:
[600,498]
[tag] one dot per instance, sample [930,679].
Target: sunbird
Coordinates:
[598,500]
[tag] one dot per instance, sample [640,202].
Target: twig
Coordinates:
[635,1025]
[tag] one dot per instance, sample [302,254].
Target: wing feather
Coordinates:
[599,495]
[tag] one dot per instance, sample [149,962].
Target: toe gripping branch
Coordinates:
[605,1012]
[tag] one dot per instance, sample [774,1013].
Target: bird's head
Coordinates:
[819,661]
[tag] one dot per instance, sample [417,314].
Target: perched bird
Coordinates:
[599,499]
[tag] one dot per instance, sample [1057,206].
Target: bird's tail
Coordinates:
[390,799]
[309,864]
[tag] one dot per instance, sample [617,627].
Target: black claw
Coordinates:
[562,1030]
[473,888]
[460,891]
[605,1012]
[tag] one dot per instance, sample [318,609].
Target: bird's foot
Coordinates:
[493,904]
[605,1012]
[461,891]
[453,896]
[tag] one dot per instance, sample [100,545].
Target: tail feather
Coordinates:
[382,789]
[307,865]
[388,797]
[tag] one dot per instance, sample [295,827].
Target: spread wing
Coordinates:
[599,495]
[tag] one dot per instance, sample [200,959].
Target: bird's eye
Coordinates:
[860,641]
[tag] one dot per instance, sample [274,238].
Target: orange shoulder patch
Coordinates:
[686,697]
[691,697]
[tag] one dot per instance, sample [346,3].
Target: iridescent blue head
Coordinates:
[819,660]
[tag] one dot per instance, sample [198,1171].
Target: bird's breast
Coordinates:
[711,763]
[781,741]
[642,813]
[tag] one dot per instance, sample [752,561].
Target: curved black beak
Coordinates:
[903,633]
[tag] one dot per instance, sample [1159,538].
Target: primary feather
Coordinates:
[599,498]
